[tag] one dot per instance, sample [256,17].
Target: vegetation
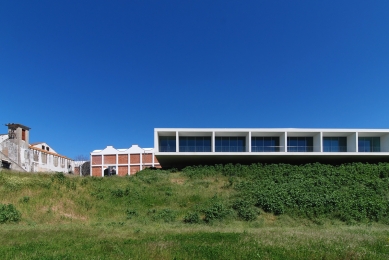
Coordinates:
[274,211]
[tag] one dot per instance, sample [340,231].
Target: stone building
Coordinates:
[18,154]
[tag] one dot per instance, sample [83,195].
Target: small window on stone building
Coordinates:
[43,147]
[36,156]
[44,158]
[47,148]
[23,134]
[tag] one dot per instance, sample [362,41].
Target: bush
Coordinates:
[117,193]
[8,213]
[192,218]
[217,211]
[131,213]
[245,210]
[25,199]
[167,215]
[59,176]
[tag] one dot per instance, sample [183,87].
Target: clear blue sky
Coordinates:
[87,74]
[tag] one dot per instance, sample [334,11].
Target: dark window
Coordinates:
[230,144]
[334,144]
[369,144]
[195,144]
[43,147]
[110,171]
[265,144]
[23,134]
[300,144]
[167,143]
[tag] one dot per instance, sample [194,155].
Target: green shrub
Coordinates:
[59,177]
[192,218]
[166,215]
[117,193]
[25,199]
[131,213]
[216,211]
[245,210]
[84,182]
[71,185]
[8,213]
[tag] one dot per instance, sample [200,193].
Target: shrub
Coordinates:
[217,211]
[131,213]
[8,213]
[25,199]
[245,210]
[84,182]
[192,218]
[59,176]
[167,215]
[117,193]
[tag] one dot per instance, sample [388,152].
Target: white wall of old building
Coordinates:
[37,157]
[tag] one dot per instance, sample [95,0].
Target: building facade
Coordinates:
[18,154]
[122,162]
[180,147]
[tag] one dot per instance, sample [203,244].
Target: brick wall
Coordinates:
[134,158]
[110,159]
[123,158]
[134,169]
[96,159]
[122,171]
[96,171]
[147,158]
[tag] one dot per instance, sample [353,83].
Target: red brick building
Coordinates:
[122,162]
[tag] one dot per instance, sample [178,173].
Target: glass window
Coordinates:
[300,144]
[230,144]
[369,144]
[167,143]
[195,144]
[334,144]
[265,144]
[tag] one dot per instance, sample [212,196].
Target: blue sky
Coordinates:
[87,74]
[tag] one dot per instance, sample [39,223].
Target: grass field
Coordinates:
[178,215]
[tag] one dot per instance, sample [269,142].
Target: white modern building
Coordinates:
[179,147]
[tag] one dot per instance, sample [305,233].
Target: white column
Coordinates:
[249,142]
[213,141]
[177,142]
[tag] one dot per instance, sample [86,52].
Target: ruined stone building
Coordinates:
[18,154]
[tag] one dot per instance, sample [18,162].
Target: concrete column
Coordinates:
[284,142]
[213,141]
[177,142]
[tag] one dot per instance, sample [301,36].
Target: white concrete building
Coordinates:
[112,161]
[18,154]
[179,147]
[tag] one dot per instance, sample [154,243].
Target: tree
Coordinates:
[81,165]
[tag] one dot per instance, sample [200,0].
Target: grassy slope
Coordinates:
[141,218]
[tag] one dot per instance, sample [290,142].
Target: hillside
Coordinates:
[275,211]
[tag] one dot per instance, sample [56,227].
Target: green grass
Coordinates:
[142,216]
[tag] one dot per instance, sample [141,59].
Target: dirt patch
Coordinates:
[180,181]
